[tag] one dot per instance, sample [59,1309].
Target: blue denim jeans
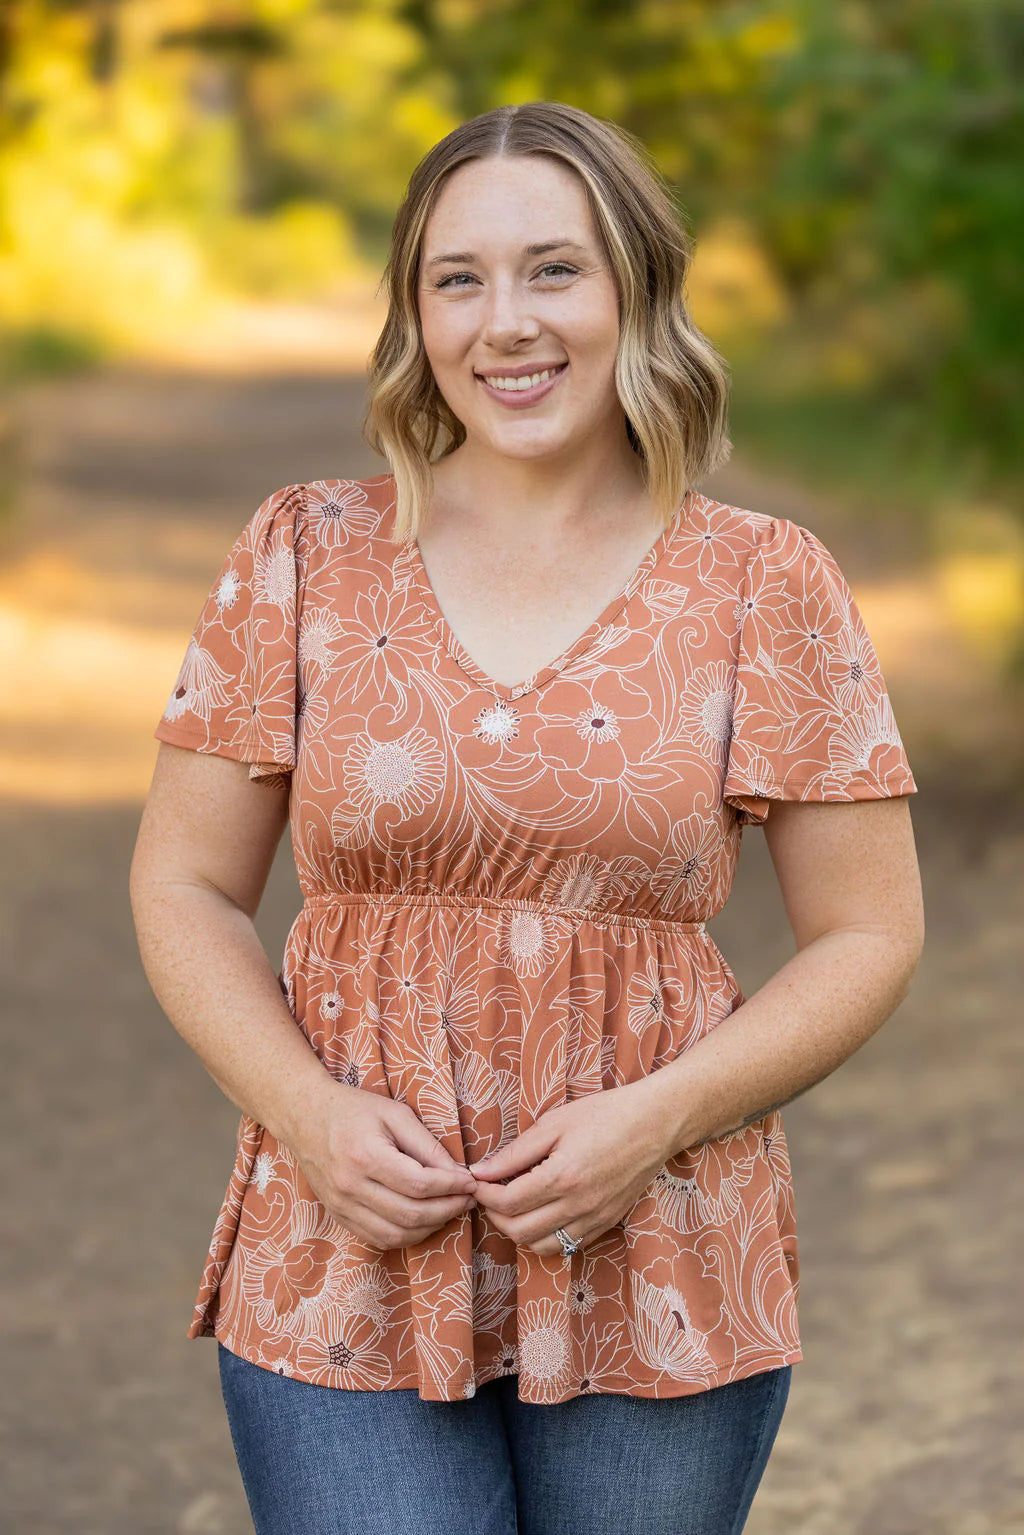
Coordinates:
[320,1460]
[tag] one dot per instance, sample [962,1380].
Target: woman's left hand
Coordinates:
[581,1166]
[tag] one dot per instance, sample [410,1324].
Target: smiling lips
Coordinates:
[510,389]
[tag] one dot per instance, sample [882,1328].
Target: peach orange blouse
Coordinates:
[505,897]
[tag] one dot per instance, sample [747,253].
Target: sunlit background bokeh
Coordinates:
[195,204]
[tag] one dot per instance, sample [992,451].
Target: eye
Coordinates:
[562,266]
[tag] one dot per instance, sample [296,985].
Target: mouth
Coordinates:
[518,391]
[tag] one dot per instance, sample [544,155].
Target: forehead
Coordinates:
[506,201]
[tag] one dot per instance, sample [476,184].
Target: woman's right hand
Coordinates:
[376,1168]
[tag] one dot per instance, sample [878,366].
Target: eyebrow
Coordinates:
[528,250]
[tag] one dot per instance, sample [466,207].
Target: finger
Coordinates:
[539,1235]
[518,1156]
[522,1195]
[408,1176]
[392,1205]
[539,1223]
[411,1135]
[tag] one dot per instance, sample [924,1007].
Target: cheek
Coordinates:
[445,331]
[591,329]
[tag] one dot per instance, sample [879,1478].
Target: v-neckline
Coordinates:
[583,642]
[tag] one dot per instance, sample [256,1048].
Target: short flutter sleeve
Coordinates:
[235,693]
[811,717]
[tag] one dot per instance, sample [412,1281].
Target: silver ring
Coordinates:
[569,1244]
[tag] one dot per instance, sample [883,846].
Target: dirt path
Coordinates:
[906,1415]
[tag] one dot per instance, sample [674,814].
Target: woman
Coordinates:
[518,699]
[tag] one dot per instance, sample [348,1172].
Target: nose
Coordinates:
[506,316]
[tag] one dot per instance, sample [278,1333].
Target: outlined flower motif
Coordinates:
[646,1003]
[751,776]
[299,1274]
[545,1352]
[295,1270]
[202,685]
[706,708]
[274,577]
[760,609]
[407,773]
[319,630]
[577,882]
[664,1336]
[712,1192]
[584,882]
[713,543]
[528,940]
[597,724]
[331,1005]
[582,1297]
[853,671]
[597,734]
[851,748]
[339,510]
[497,723]
[228,589]
[684,875]
[380,644]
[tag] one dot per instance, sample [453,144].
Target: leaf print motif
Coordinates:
[505,902]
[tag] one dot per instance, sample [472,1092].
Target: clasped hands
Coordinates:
[581,1166]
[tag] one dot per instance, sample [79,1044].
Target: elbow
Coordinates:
[909,943]
[139,884]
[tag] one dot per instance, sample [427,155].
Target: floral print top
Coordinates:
[505,896]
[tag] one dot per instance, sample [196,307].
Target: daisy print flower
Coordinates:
[706,709]
[407,773]
[320,630]
[867,742]
[578,882]
[528,940]
[544,1351]
[274,577]
[375,653]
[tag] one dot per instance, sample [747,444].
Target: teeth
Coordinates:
[517,384]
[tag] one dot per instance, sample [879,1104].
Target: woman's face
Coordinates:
[491,305]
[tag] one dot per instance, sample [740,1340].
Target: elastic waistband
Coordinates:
[397,899]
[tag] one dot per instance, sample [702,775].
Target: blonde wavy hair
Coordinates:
[671,381]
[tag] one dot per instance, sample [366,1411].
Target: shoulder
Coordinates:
[746,530]
[340,513]
[321,522]
[756,540]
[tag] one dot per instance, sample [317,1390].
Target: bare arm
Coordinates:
[204,851]
[852,891]
[205,847]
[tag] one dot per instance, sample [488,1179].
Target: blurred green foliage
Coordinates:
[851,170]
